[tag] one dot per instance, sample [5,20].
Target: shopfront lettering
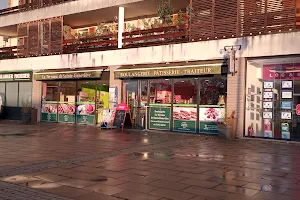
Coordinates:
[168,72]
[281,72]
[74,75]
[15,77]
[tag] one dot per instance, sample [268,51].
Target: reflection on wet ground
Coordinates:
[53,161]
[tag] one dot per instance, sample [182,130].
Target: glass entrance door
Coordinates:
[50,100]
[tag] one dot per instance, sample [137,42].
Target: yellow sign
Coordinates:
[168,71]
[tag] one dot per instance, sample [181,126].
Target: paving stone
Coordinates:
[172,194]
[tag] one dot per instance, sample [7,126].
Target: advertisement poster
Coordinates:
[287,105]
[106,118]
[184,119]
[268,130]
[285,131]
[49,112]
[208,118]
[160,118]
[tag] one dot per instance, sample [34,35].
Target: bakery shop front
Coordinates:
[73,96]
[183,97]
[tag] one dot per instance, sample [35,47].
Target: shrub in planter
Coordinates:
[226,128]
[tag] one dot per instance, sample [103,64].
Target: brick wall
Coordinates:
[37,97]
[236,95]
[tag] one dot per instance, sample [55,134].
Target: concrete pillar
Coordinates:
[37,97]
[236,95]
[113,83]
[121,26]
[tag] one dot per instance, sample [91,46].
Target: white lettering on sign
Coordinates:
[22,76]
[6,76]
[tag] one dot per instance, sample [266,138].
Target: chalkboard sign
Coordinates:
[119,118]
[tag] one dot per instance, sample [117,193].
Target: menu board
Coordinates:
[209,117]
[160,118]
[184,119]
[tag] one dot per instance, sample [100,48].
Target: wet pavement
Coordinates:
[60,162]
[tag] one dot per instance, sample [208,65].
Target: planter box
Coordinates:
[225,131]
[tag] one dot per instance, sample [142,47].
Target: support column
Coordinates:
[236,95]
[113,83]
[37,97]
[121,26]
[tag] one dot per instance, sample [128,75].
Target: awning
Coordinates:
[69,74]
[164,70]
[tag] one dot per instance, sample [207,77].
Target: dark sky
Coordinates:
[3,4]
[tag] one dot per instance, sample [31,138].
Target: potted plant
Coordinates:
[26,111]
[226,127]
[164,11]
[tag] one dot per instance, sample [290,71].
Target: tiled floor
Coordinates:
[53,161]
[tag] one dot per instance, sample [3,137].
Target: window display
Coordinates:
[212,103]
[280,98]
[160,92]
[73,101]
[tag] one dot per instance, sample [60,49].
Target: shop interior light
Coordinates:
[166,79]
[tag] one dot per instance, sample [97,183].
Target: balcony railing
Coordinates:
[8,52]
[30,6]
[138,38]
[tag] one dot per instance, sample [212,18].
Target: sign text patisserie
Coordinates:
[175,71]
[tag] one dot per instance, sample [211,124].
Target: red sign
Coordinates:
[285,72]
[298,109]
[123,106]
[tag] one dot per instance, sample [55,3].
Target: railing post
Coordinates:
[121,26]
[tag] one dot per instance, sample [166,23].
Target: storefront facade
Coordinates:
[15,93]
[273,98]
[189,97]
[73,96]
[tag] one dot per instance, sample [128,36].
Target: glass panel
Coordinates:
[185,105]
[102,101]
[2,87]
[130,95]
[50,100]
[12,95]
[212,103]
[143,93]
[160,92]
[25,93]
[67,98]
[160,104]
[213,90]
[86,102]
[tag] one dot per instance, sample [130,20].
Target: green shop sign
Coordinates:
[86,119]
[66,118]
[15,76]
[184,126]
[209,127]
[160,118]
[49,117]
